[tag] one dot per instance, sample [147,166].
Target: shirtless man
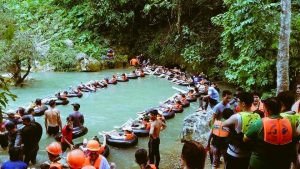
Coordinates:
[154,141]
[52,120]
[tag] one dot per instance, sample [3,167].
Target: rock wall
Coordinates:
[195,127]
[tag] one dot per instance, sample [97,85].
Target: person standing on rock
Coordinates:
[52,119]
[154,140]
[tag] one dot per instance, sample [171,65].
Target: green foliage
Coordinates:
[249,42]
[5,96]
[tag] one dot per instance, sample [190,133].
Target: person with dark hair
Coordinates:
[14,135]
[14,161]
[272,138]
[30,113]
[212,97]
[238,154]
[287,100]
[219,108]
[193,155]
[141,158]
[31,134]
[77,116]
[218,138]
[234,101]
[67,135]
[257,105]
[52,119]
[154,140]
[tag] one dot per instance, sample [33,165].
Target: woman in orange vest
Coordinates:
[218,139]
[94,158]
[141,158]
[272,138]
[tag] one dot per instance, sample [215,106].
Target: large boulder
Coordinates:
[196,127]
[88,64]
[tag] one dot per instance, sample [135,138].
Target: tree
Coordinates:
[283,48]
[5,95]
[17,50]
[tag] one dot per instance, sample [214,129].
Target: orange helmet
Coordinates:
[54,148]
[93,145]
[88,167]
[75,159]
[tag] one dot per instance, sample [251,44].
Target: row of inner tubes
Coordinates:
[143,132]
[170,77]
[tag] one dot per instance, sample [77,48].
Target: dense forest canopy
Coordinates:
[231,40]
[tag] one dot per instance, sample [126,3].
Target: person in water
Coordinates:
[67,135]
[141,158]
[52,119]
[77,116]
[31,134]
[154,140]
[14,135]
[193,155]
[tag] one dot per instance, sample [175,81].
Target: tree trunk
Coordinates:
[283,49]
[179,13]
[21,78]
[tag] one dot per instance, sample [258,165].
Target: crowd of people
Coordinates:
[246,132]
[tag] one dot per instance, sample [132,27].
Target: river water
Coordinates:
[107,108]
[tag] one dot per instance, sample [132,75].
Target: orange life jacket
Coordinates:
[218,129]
[277,131]
[152,166]
[97,163]
[133,62]
[129,136]
[147,125]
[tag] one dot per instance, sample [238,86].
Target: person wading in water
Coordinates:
[154,141]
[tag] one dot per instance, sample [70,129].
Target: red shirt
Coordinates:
[67,134]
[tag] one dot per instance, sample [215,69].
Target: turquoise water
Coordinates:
[107,108]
